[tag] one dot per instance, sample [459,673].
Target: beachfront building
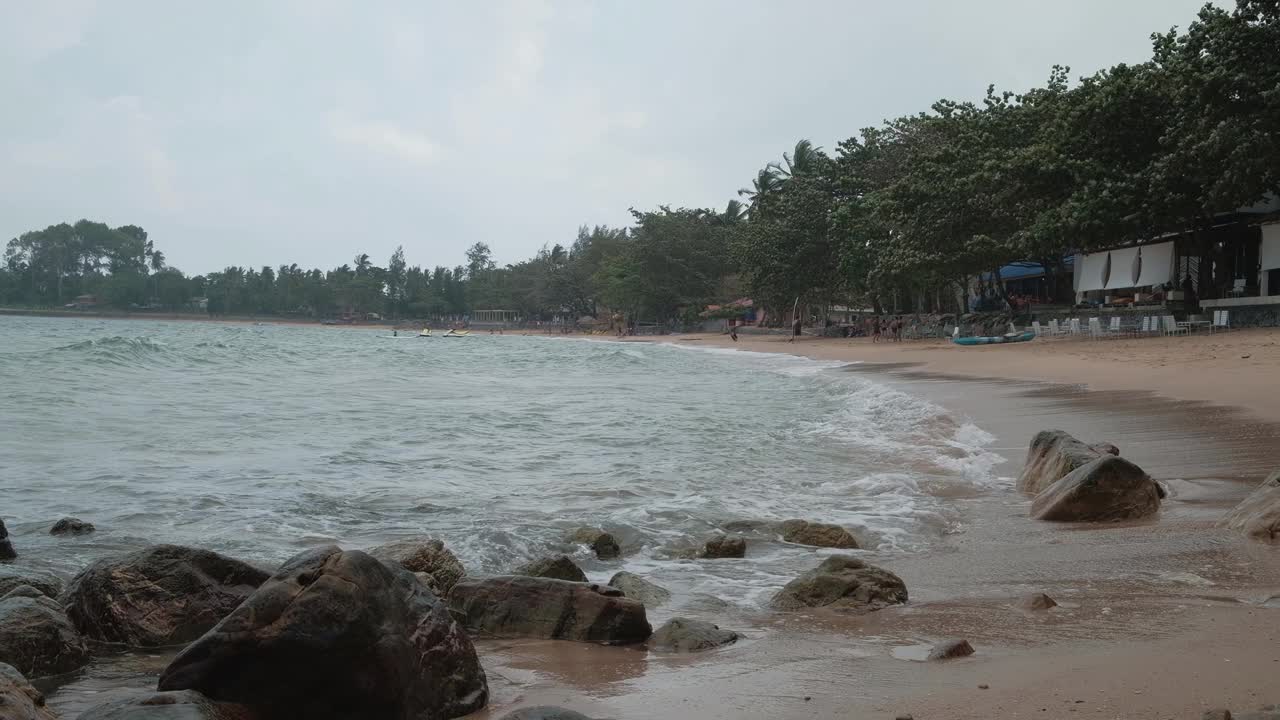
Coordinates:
[1232,265]
[494,318]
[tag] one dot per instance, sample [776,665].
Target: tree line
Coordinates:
[901,216]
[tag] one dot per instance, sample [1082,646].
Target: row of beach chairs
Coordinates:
[1149,325]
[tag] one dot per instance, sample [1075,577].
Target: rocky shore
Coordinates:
[391,631]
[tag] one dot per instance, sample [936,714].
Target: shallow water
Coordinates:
[259,441]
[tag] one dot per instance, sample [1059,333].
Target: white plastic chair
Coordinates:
[1095,329]
[1171,326]
[1146,325]
[1075,326]
[1221,320]
[1035,327]
[1053,327]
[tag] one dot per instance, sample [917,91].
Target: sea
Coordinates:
[259,441]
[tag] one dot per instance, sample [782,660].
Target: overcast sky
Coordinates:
[257,132]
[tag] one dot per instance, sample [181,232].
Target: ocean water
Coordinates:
[260,441]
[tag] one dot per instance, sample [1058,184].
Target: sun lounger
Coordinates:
[1221,320]
[1171,326]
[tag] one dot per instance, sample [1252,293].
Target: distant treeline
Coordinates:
[904,214]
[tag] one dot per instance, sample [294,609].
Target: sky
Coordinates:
[254,133]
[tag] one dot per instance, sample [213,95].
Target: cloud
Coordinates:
[387,139]
[30,32]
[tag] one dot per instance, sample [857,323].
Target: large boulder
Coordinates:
[424,555]
[1109,488]
[556,568]
[6,545]
[12,576]
[844,582]
[37,639]
[724,546]
[180,705]
[951,649]
[601,543]
[637,588]
[71,526]
[517,606]
[18,699]
[803,532]
[1258,516]
[682,635]
[337,634]
[1053,455]
[162,595]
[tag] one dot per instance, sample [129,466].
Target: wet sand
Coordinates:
[1163,618]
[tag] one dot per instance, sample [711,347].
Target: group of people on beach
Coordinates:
[878,327]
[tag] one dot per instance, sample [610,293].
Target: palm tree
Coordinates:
[803,159]
[734,212]
[363,264]
[157,264]
[765,182]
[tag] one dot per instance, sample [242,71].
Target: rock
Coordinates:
[37,639]
[23,591]
[1052,456]
[180,705]
[517,606]
[747,526]
[803,532]
[1105,448]
[162,595]
[681,635]
[12,577]
[6,546]
[637,588]
[424,555]
[1221,714]
[336,634]
[1037,601]
[1109,488]
[903,717]
[556,568]
[1258,516]
[544,712]
[949,649]
[843,581]
[71,526]
[600,542]
[18,699]
[725,546]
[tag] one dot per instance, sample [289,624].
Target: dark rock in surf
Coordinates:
[18,699]
[424,555]
[951,649]
[725,546]
[1037,601]
[544,712]
[1054,454]
[12,576]
[179,705]
[37,639]
[556,568]
[6,545]
[843,582]
[682,635]
[71,526]
[517,606]
[1109,488]
[803,532]
[337,634]
[637,588]
[162,595]
[1258,516]
[1105,448]
[601,543]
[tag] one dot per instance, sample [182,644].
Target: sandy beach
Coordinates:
[1164,618]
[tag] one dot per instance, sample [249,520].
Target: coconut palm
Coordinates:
[803,159]
[765,182]
[734,212]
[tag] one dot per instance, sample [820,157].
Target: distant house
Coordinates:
[86,301]
[200,303]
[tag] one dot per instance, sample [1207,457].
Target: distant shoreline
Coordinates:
[189,317]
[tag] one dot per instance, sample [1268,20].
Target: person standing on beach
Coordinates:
[733,330]
[795,329]
[875,329]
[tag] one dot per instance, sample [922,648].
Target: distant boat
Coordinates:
[995,339]
[426,332]
[457,333]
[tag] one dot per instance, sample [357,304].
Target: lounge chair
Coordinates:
[1075,326]
[1171,326]
[1035,328]
[1115,329]
[1221,320]
[1095,329]
[1146,326]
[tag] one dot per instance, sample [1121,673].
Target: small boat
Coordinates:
[426,332]
[457,333]
[996,339]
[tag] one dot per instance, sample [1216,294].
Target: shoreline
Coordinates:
[1229,369]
